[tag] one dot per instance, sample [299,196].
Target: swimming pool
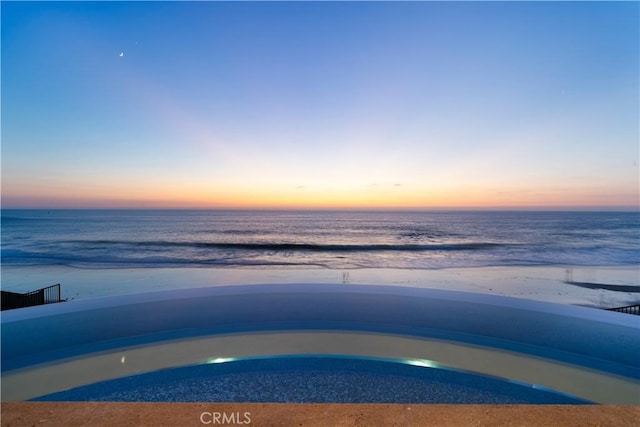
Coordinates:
[251,342]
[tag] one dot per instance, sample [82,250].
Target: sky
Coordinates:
[320,105]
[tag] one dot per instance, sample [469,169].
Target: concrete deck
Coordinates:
[20,414]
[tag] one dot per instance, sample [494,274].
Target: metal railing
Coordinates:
[48,295]
[630,309]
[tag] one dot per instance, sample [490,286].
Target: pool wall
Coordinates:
[445,327]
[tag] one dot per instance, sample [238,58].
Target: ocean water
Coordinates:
[331,239]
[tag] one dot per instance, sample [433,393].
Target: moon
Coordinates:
[121,54]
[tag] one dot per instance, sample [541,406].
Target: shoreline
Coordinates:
[542,283]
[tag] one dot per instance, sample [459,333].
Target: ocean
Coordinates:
[330,239]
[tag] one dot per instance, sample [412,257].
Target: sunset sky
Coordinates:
[320,105]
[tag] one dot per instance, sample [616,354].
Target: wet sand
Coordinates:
[544,283]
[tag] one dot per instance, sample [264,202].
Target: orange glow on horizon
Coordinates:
[379,197]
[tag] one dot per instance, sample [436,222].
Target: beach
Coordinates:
[541,283]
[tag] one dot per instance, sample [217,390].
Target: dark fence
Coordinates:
[630,309]
[47,295]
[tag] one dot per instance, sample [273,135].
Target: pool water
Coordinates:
[312,380]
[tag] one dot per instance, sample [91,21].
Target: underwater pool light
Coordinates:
[219,360]
[423,363]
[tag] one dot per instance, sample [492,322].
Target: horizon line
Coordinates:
[343,209]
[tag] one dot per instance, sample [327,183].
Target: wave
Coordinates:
[130,257]
[301,247]
[25,258]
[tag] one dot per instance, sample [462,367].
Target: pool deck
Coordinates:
[16,414]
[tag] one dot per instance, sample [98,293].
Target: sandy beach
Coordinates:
[606,286]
